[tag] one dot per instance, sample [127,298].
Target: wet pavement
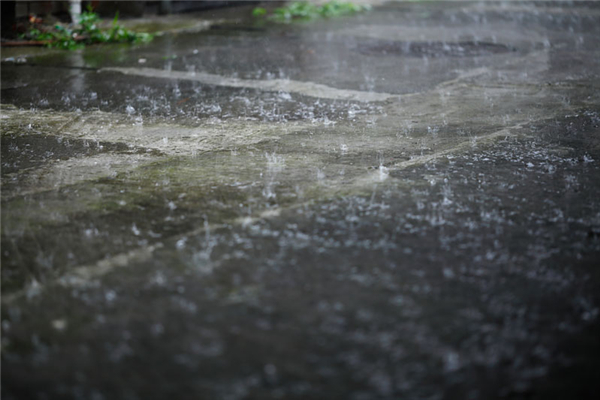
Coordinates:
[399,204]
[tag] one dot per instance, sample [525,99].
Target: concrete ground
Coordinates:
[399,204]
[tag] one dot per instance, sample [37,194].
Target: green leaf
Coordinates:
[259,12]
[305,10]
[64,38]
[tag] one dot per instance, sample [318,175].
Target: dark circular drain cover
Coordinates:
[431,49]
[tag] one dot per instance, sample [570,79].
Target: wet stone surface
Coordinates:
[398,204]
[432,49]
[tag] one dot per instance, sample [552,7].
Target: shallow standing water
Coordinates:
[399,204]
